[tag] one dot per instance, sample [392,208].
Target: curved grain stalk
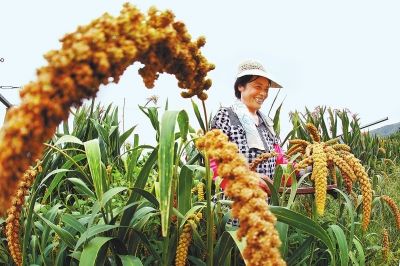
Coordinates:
[326,155]
[256,220]
[96,54]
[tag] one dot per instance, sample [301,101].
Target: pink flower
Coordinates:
[214,168]
[280,159]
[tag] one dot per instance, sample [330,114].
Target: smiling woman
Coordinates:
[244,123]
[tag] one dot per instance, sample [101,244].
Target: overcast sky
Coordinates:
[343,54]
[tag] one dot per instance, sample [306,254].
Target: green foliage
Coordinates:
[103,200]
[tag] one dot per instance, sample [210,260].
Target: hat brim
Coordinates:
[257,72]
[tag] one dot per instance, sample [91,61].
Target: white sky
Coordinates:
[343,54]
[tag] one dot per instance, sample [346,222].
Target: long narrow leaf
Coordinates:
[95,252]
[111,193]
[360,252]
[68,139]
[129,260]
[93,154]
[198,116]
[62,233]
[183,123]
[341,241]
[166,166]
[92,231]
[184,189]
[305,224]
[80,185]
[140,183]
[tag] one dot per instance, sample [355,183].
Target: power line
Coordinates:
[10,87]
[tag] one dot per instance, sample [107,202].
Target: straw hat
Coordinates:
[252,67]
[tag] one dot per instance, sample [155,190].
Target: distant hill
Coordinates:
[386,130]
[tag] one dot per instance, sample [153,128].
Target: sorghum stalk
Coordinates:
[210,216]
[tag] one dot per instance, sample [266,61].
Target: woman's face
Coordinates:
[254,93]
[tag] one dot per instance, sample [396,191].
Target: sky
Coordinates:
[341,54]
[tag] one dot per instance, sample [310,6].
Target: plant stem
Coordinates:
[205,115]
[90,116]
[312,253]
[210,217]
[29,223]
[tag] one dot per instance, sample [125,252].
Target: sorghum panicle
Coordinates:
[385,244]
[262,157]
[97,53]
[365,185]
[295,149]
[319,175]
[14,214]
[313,132]
[250,206]
[200,191]
[394,208]
[185,239]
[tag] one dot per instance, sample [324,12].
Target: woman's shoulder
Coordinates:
[223,111]
[221,118]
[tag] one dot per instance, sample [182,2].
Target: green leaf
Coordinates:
[66,127]
[100,130]
[185,185]
[223,247]
[360,252]
[152,114]
[132,159]
[68,139]
[64,235]
[147,195]
[92,231]
[126,135]
[282,229]
[349,206]
[305,224]
[140,183]
[95,252]
[198,116]
[196,261]
[300,251]
[166,166]
[183,123]
[129,260]
[111,193]
[341,241]
[93,154]
[60,173]
[70,220]
[81,186]
[277,124]
[241,244]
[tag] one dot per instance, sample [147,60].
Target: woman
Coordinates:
[245,124]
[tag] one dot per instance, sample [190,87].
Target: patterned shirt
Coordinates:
[229,123]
